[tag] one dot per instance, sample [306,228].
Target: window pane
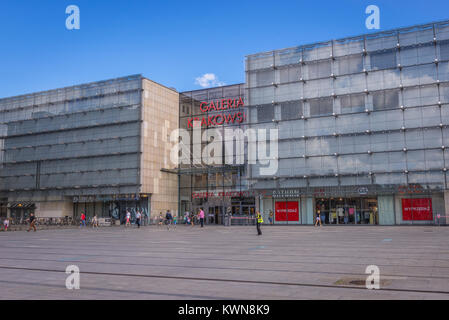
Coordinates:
[264,78]
[352,103]
[265,113]
[352,64]
[320,69]
[385,100]
[444,51]
[321,106]
[291,110]
[383,60]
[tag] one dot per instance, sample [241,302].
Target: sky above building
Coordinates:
[186,45]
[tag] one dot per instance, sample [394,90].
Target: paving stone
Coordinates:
[216,262]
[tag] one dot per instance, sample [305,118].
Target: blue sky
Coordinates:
[173,42]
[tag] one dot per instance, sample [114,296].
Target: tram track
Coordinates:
[386,276]
[243,251]
[237,281]
[31,252]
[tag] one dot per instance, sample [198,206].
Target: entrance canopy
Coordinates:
[22,204]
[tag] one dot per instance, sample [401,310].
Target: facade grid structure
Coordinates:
[363,138]
[363,124]
[77,149]
[206,180]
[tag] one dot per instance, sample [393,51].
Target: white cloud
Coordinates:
[208,80]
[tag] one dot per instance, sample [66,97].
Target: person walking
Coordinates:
[32,220]
[259,221]
[201,216]
[6,224]
[168,219]
[270,217]
[83,220]
[138,217]
[161,220]
[226,218]
[175,220]
[318,219]
[128,218]
[95,222]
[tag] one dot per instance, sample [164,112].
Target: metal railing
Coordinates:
[242,220]
[440,220]
[56,221]
[43,221]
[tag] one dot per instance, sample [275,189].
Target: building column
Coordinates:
[385,209]
[446,206]
[310,210]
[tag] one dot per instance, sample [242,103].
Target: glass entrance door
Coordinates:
[243,209]
[215,215]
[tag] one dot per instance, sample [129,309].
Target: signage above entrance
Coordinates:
[223,104]
[286,193]
[229,114]
[221,194]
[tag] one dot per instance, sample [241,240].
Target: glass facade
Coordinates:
[363,137]
[360,119]
[63,144]
[220,189]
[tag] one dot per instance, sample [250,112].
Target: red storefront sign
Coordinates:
[286,211]
[417,209]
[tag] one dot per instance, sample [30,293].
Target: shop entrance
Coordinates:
[20,212]
[240,208]
[360,210]
[215,215]
[115,209]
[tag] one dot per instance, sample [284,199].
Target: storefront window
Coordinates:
[347,210]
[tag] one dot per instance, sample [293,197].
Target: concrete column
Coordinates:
[446,205]
[303,210]
[310,210]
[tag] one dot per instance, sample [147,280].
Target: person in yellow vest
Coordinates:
[259,220]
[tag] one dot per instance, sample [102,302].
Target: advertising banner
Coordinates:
[286,211]
[417,209]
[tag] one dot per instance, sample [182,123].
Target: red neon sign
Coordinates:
[220,118]
[223,104]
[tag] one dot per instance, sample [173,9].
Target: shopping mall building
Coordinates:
[360,126]
[97,147]
[362,132]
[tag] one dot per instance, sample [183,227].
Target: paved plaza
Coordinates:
[217,262]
